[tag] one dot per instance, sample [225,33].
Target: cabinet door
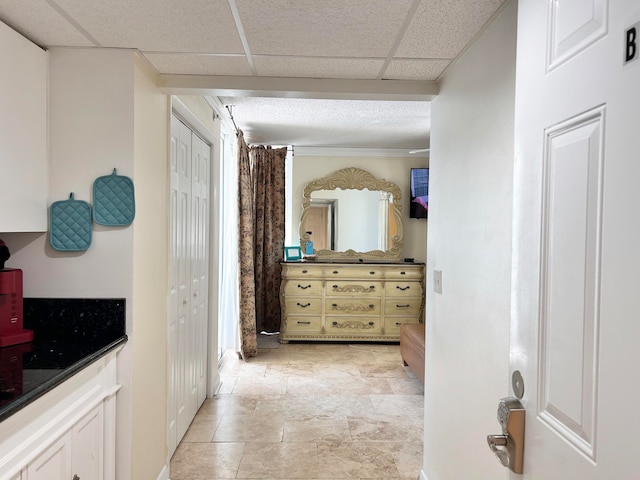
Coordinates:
[23,134]
[88,446]
[54,463]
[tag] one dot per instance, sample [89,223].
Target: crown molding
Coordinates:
[300,151]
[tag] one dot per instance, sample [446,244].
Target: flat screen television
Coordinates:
[419,203]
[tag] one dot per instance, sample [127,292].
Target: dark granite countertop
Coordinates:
[69,334]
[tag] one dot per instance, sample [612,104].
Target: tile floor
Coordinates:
[308,410]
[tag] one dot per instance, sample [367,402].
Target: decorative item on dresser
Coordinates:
[350,301]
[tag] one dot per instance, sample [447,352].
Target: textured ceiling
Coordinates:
[355,40]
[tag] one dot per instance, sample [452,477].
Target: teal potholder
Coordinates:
[70,225]
[114,202]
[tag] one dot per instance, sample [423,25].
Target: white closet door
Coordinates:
[200,261]
[173,301]
[188,278]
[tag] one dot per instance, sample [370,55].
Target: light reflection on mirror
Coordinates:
[350,219]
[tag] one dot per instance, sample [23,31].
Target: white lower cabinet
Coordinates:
[68,433]
[87,446]
[77,455]
[54,463]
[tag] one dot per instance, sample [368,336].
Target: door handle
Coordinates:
[508,446]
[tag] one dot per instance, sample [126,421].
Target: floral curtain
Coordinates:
[269,221]
[248,337]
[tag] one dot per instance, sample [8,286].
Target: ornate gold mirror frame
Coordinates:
[358,179]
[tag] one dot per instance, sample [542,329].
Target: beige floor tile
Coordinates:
[288,405]
[289,370]
[336,370]
[355,460]
[249,428]
[314,429]
[236,404]
[406,386]
[309,411]
[344,405]
[395,405]
[201,429]
[385,429]
[279,460]
[382,371]
[200,461]
[260,385]
[362,386]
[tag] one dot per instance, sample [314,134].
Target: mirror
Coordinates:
[352,215]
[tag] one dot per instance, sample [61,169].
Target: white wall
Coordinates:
[396,170]
[149,302]
[105,112]
[470,205]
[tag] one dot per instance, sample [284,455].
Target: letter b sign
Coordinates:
[631,43]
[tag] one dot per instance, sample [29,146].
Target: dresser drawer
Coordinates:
[352,306]
[361,273]
[402,306]
[392,325]
[351,325]
[403,289]
[308,306]
[309,324]
[354,288]
[301,271]
[398,273]
[302,287]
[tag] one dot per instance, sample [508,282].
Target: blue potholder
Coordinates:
[114,202]
[70,225]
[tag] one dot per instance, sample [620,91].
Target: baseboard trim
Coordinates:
[164,473]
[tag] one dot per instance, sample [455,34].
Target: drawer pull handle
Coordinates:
[372,273]
[334,304]
[398,324]
[303,287]
[371,323]
[371,307]
[76,477]
[305,271]
[403,306]
[403,273]
[335,272]
[304,323]
[303,306]
[403,288]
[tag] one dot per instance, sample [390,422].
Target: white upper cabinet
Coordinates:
[23,134]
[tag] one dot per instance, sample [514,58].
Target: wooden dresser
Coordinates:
[351,302]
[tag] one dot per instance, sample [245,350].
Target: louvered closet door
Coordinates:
[188,278]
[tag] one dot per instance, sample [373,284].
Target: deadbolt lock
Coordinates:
[509,445]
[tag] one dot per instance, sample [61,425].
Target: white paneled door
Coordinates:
[574,327]
[188,277]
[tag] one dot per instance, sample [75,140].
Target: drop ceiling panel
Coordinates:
[442,28]
[201,26]
[330,28]
[305,67]
[415,69]
[334,123]
[196,64]
[40,22]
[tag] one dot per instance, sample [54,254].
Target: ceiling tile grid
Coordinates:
[412,69]
[199,64]
[318,67]
[40,22]
[442,28]
[197,26]
[329,28]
